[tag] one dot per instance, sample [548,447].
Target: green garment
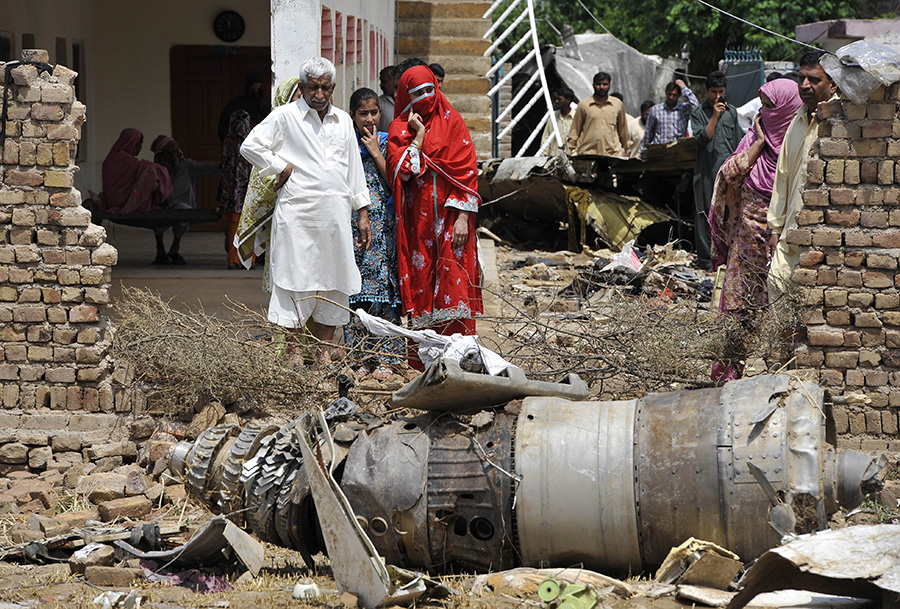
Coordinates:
[711,153]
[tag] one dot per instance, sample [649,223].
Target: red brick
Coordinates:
[815,198]
[804,276]
[866,320]
[811,258]
[834,148]
[842,196]
[873,219]
[852,338]
[825,337]
[872,338]
[798,236]
[23,178]
[854,259]
[860,239]
[838,317]
[829,109]
[829,237]
[868,148]
[842,359]
[842,218]
[889,240]
[850,279]
[869,196]
[810,216]
[876,280]
[878,129]
[855,378]
[84,314]
[881,261]
[826,277]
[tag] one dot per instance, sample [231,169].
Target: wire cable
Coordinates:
[759,27]
[644,57]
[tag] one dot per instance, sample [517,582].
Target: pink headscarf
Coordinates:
[784,93]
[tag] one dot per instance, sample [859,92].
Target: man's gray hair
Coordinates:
[316,67]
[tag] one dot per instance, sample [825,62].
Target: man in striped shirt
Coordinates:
[669,120]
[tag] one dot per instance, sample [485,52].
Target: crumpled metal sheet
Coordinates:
[446,386]
[219,541]
[858,561]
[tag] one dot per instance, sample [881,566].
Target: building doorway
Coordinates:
[203,80]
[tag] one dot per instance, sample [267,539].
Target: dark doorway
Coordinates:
[203,80]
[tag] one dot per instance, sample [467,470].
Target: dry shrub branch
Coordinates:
[628,345]
[188,353]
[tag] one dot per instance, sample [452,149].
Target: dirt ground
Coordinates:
[521,285]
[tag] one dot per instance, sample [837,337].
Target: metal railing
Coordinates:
[514,15]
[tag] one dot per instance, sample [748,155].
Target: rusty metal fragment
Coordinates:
[548,481]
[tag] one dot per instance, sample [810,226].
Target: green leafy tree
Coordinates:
[662,27]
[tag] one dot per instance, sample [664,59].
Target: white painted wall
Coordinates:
[126,75]
[297,32]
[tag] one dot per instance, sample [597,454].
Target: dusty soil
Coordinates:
[528,284]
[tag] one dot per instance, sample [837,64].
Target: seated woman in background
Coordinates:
[184,173]
[130,184]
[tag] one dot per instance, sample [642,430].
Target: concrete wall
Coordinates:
[290,50]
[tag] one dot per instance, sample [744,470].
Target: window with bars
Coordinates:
[351,39]
[338,37]
[327,34]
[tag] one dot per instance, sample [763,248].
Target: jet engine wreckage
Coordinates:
[547,481]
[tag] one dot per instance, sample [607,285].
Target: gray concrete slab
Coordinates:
[204,282]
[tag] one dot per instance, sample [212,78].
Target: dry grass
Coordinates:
[626,345]
[623,345]
[184,354]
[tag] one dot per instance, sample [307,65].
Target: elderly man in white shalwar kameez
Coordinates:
[311,146]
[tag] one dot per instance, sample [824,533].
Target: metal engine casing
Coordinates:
[551,482]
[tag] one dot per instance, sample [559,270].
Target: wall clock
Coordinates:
[228,26]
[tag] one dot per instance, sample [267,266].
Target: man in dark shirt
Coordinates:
[715,125]
[253,101]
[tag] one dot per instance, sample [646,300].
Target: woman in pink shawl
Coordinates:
[737,218]
[130,184]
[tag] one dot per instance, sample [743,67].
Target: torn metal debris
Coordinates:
[858,561]
[611,485]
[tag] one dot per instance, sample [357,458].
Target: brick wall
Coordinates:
[849,237]
[54,264]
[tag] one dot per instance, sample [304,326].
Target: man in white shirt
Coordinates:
[311,146]
[816,86]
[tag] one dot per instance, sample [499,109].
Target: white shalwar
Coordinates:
[312,240]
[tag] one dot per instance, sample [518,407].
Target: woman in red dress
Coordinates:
[431,161]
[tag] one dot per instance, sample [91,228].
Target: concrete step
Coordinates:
[460,86]
[478,124]
[441,46]
[457,28]
[459,66]
[479,105]
[441,10]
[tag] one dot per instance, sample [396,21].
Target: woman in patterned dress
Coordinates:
[380,294]
[737,218]
[435,184]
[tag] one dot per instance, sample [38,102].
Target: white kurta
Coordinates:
[311,245]
[790,177]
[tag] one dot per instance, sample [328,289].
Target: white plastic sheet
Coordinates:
[859,67]
[434,346]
